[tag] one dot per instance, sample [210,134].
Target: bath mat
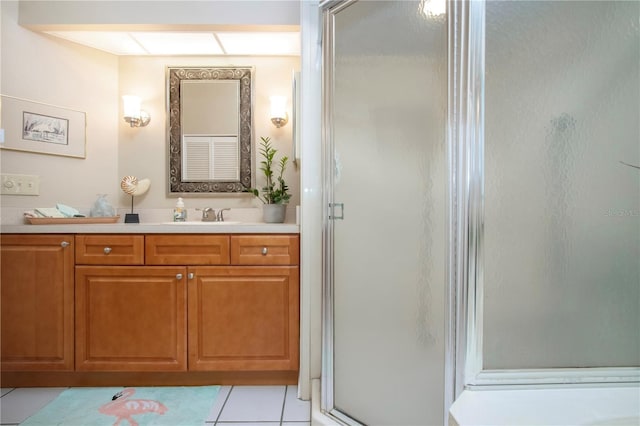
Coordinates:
[171,406]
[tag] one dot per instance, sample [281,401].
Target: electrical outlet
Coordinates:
[20,184]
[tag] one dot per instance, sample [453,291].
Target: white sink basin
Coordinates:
[201,223]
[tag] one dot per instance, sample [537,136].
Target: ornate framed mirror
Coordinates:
[209,129]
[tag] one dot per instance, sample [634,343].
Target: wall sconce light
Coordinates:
[279,116]
[132,112]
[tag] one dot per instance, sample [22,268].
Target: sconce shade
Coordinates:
[131,106]
[132,112]
[279,116]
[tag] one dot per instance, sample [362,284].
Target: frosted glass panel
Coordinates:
[562,213]
[389,116]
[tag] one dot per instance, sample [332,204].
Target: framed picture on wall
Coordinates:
[41,128]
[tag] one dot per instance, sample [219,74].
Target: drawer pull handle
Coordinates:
[190,275]
[107,250]
[64,244]
[264,251]
[178,276]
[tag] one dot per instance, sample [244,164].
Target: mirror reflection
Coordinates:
[209,129]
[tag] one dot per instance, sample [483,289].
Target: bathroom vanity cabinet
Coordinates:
[37,302]
[128,317]
[168,303]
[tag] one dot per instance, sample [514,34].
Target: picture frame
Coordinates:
[42,128]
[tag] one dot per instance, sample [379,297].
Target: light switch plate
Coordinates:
[20,184]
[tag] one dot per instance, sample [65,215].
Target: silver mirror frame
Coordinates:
[176,186]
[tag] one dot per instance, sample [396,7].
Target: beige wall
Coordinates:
[143,151]
[54,71]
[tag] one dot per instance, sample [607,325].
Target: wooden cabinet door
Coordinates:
[37,302]
[244,318]
[131,318]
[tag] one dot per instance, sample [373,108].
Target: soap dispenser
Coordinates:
[179,212]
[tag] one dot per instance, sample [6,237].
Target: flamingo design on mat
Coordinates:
[123,408]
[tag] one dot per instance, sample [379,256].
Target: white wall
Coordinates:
[311,200]
[219,13]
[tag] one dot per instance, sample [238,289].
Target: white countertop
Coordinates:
[156,228]
[156,221]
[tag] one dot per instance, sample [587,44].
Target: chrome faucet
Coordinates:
[220,216]
[208,215]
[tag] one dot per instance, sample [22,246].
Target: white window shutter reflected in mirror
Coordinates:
[225,161]
[195,158]
[210,158]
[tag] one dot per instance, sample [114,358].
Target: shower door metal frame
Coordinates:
[465,215]
[327,403]
[467,225]
[451,390]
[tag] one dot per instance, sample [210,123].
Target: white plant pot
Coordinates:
[274,213]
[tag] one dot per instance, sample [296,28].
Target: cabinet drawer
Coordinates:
[109,249]
[187,249]
[265,249]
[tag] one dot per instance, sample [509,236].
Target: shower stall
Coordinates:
[481,201]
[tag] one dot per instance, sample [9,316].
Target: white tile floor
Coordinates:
[234,406]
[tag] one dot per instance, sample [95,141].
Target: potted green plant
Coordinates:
[275,195]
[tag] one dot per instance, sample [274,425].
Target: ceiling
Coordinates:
[187,42]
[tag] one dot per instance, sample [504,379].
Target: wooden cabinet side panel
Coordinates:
[244,318]
[130,318]
[37,302]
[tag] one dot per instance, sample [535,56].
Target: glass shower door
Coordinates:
[562,206]
[386,167]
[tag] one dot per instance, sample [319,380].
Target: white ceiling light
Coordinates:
[118,43]
[272,43]
[434,8]
[171,43]
[187,43]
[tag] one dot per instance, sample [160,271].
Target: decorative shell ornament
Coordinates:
[132,186]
